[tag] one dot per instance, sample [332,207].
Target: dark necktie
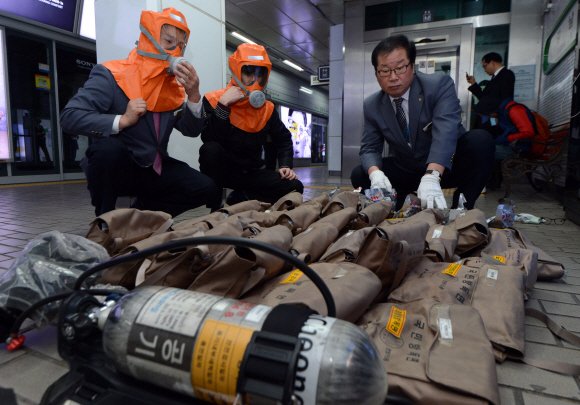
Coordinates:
[401,117]
[158,160]
[492,76]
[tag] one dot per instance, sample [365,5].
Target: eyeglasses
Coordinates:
[484,65]
[556,221]
[398,71]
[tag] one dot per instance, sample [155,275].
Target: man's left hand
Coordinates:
[429,192]
[287,173]
[187,76]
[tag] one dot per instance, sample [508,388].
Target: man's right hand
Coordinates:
[231,95]
[379,180]
[135,109]
[470,79]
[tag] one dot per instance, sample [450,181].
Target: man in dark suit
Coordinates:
[130,107]
[500,86]
[420,118]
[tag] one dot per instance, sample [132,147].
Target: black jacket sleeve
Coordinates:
[475,90]
[282,138]
[216,125]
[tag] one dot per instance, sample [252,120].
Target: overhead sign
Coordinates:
[315,82]
[323,73]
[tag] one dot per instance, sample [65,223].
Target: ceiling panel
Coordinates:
[294,52]
[316,49]
[297,10]
[336,18]
[319,29]
[311,63]
[241,19]
[269,37]
[329,7]
[265,12]
[295,33]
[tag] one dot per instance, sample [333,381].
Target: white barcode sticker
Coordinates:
[445,329]
[437,232]
[492,274]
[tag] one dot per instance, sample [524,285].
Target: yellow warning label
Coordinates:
[396,321]
[217,358]
[293,277]
[500,258]
[452,269]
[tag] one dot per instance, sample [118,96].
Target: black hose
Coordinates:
[218,240]
[28,311]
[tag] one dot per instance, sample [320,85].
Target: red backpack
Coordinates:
[540,128]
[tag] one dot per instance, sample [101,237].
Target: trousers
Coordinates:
[258,184]
[111,172]
[472,167]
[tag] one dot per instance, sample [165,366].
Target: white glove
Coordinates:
[430,190]
[379,180]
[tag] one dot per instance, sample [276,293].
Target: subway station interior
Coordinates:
[321,74]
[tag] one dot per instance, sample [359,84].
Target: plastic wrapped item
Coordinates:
[49,264]
[452,214]
[504,215]
[379,194]
[528,219]
[411,206]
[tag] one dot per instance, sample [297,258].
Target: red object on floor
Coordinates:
[16,343]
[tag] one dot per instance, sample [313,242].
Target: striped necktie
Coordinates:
[402,118]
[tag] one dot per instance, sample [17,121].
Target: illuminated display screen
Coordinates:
[4,140]
[299,123]
[57,13]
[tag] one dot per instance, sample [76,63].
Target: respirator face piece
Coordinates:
[252,77]
[171,46]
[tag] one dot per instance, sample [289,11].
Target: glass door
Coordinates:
[444,63]
[32,105]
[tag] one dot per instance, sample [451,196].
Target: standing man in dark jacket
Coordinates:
[500,86]
[238,124]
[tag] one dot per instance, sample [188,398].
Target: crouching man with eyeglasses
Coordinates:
[420,118]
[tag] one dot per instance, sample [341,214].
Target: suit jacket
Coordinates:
[500,87]
[432,99]
[93,109]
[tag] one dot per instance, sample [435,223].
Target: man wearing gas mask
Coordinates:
[130,107]
[239,122]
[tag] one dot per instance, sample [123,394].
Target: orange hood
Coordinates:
[243,115]
[144,77]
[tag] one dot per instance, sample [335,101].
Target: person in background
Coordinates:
[240,121]
[40,136]
[420,118]
[129,107]
[499,87]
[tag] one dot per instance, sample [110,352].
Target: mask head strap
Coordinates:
[246,92]
[163,55]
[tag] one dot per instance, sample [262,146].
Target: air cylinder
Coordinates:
[194,343]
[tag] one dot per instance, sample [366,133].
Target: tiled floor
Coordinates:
[29,211]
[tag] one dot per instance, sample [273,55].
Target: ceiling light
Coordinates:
[293,65]
[242,38]
[305,90]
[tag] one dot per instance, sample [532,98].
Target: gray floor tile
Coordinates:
[544,295]
[535,399]
[562,309]
[529,378]
[539,335]
[506,396]
[31,375]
